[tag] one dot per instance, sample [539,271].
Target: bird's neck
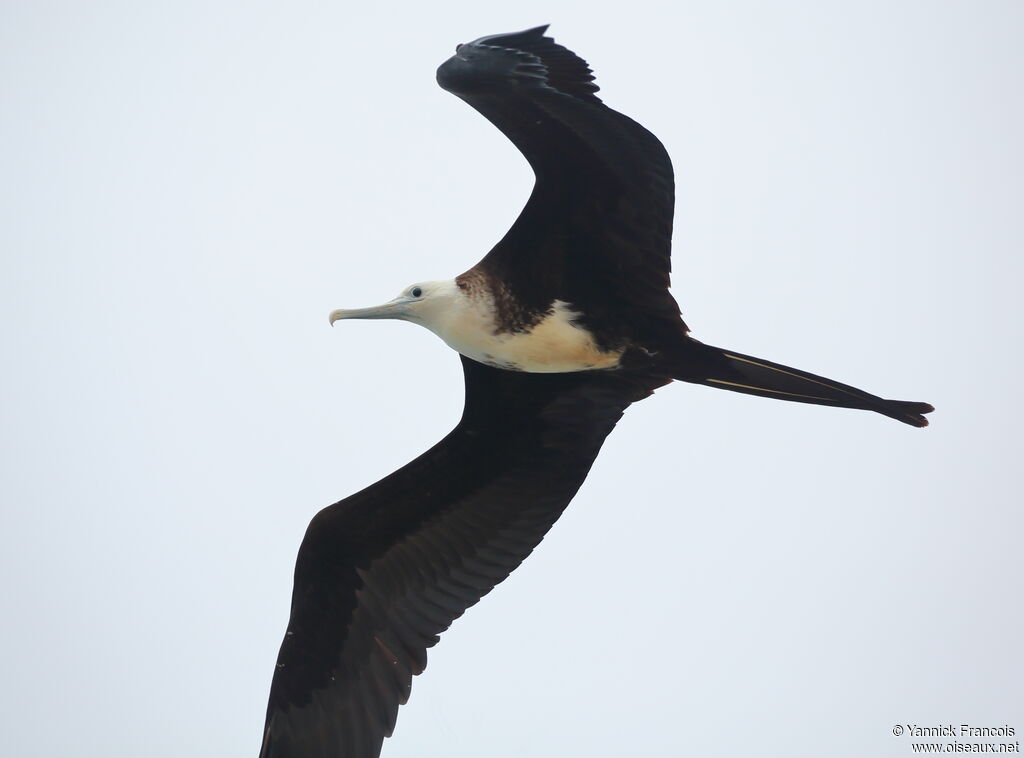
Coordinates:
[483,321]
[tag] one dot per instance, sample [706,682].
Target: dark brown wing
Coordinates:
[381,574]
[597,229]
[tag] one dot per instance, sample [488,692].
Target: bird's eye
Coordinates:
[416,292]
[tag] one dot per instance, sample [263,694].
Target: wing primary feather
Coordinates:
[597,228]
[383,573]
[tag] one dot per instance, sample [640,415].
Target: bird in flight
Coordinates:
[562,325]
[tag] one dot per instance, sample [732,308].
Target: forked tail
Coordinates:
[728,370]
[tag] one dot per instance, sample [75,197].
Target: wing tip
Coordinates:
[491,63]
[491,39]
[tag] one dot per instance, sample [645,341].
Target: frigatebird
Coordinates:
[562,325]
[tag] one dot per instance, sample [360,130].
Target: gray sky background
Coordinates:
[187,189]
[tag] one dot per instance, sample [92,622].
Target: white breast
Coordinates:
[554,345]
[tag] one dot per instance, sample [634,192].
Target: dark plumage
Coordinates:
[382,573]
[597,230]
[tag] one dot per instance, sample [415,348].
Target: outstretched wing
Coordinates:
[599,221]
[381,574]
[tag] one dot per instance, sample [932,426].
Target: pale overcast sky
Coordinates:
[187,189]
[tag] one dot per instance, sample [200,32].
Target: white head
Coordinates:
[424,303]
[465,319]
